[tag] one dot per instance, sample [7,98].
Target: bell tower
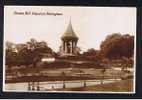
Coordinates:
[69,42]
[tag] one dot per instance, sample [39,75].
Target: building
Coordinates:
[69,42]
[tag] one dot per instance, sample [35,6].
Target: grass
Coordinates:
[120,86]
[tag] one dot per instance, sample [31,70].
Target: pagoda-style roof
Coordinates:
[69,33]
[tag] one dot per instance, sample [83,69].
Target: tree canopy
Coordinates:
[117,46]
[26,54]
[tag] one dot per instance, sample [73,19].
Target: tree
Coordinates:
[32,44]
[32,52]
[9,45]
[11,58]
[11,54]
[126,63]
[90,52]
[24,57]
[117,46]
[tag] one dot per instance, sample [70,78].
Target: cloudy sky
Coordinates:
[91,24]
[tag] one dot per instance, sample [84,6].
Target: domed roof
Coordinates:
[69,33]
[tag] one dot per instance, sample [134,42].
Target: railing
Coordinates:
[37,86]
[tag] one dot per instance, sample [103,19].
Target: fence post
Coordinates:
[64,85]
[29,86]
[84,83]
[38,88]
[33,87]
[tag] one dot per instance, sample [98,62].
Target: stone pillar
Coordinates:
[66,47]
[71,47]
[63,46]
[75,43]
[74,46]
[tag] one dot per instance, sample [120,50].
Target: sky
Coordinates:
[91,24]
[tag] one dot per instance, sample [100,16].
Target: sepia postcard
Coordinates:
[69,49]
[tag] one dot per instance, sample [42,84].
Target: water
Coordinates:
[56,84]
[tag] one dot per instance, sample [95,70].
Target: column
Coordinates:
[62,46]
[65,47]
[71,47]
[75,46]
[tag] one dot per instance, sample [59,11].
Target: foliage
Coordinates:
[117,46]
[26,54]
[90,52]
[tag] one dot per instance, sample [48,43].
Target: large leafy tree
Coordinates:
[11,54]
[33,52]
[117,46]
[26,54]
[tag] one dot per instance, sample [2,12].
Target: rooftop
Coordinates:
[69,32]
